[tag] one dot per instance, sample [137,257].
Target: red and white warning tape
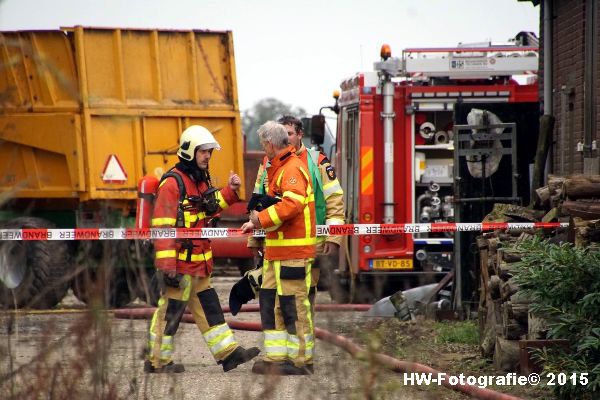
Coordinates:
[211,233]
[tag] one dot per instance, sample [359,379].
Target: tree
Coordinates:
[264,110]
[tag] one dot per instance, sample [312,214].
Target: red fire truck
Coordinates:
[399,159]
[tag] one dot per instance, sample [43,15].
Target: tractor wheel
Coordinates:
[102,274]
[33,274]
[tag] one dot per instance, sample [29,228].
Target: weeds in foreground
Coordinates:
[460,332]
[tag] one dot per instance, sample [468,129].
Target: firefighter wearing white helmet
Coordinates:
[186,199]
[194,138]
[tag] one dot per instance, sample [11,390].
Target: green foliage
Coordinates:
[563,283]
[462,332]
[263,111]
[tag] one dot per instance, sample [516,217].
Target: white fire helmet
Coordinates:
[194,138]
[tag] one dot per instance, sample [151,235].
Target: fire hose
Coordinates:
[344,343]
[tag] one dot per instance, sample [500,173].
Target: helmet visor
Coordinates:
[208,146]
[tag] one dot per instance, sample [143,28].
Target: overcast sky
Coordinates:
[296,51]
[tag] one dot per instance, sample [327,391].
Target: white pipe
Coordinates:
[388,116]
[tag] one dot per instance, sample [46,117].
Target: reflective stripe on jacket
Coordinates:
[329,196]
[289,224]
[173,254]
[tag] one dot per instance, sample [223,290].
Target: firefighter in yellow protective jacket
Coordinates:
[289,250]
[186,198]
[329,202]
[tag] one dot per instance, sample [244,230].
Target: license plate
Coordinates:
[392,263]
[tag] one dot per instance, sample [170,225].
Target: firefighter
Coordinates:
[329,207]
[289,250]
[186,199]
[329,199]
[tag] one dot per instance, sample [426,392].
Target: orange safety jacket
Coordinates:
[185,256]
[290,224]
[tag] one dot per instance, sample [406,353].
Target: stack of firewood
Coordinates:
[503,310]
[504,316]
[575,199]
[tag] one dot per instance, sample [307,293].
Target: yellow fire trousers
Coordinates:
[203,302]
[285,311]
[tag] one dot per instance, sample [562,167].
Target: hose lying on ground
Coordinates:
[348,345]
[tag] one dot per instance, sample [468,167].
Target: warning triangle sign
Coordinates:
[114,171]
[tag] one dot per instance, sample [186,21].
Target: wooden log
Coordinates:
[542,197]
[519,313]
[493,328]
[482,243]
[555,185]
[543,147]
[507,289]
[523,237]
[512,212]
[493,243]
[551,215]
[494,287]
[586,232]
[537,327]
[582,186]
[485,277]
[505,270]
[509,255]
[511,328]
[487,336]
[506,355]
[520,298]
[587,210]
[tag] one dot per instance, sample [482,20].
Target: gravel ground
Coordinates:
[52,350]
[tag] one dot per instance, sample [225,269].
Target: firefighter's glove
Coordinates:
[173,282]
[244,290]
[259,202]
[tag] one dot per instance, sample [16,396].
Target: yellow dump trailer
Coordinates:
[84,114]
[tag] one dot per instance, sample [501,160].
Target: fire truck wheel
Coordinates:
[102,274]
[33,274]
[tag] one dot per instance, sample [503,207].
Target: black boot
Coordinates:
[239,356]
[170,368]
[288,368]
[263,367]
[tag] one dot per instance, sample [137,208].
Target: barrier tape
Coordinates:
[212,233]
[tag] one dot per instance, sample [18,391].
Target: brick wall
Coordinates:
[568,86]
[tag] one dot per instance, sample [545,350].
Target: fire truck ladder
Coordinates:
[482,62]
